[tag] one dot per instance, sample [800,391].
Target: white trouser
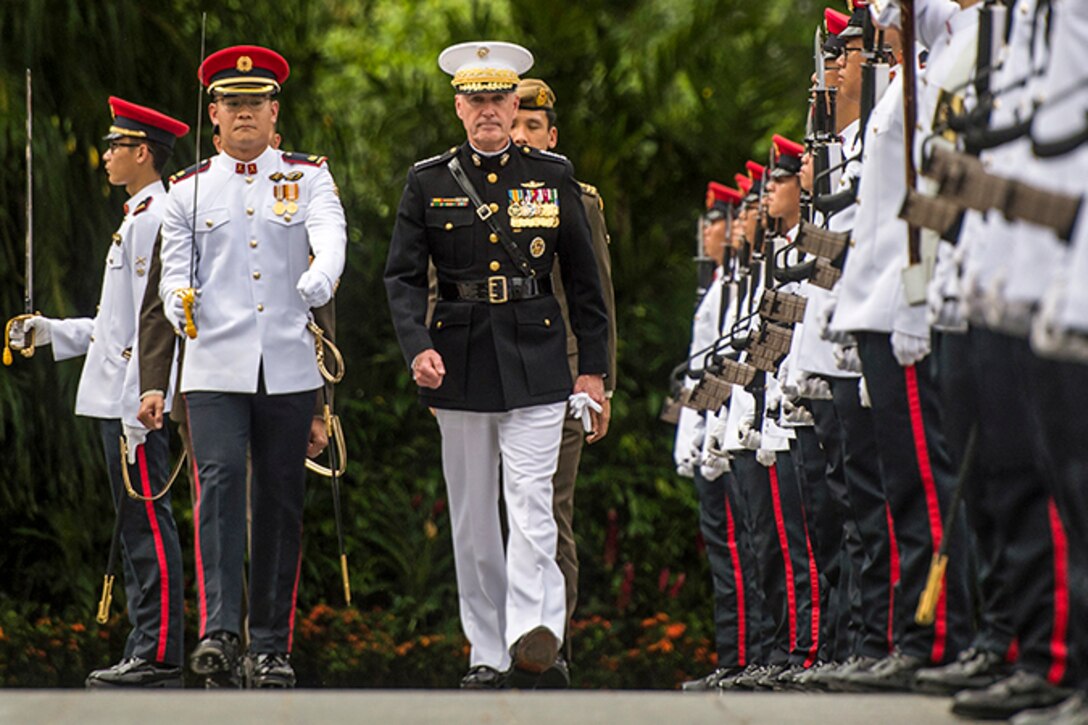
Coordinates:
[501,597]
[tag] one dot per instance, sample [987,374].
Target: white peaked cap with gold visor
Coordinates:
[485,66]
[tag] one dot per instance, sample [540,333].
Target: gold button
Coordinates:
[256,275]
[438,325]
[249,211]
[547,322]
[249,179]
[492,177]
[252,243]
[110,260]
[449,225]
[494,207]
[494,266]
[494,238]
[525,149]
[210,223]
[92,338]
[260,308]
[287,217]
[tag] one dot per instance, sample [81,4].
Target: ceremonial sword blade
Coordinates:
[818,58]
[28,291]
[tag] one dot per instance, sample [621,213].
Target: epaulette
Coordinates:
[297,157]
[591,190]
[142,206]
[445,155]
[191,171]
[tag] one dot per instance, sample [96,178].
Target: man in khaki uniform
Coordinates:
[535,126]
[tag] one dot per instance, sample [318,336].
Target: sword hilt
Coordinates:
[27,350]
[103,615]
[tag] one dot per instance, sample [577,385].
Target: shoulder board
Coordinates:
[191,171]
[297,157]
[435,159]
[546,155]
[142,206]
[589,189]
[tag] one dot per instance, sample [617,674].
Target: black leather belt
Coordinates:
[497,290]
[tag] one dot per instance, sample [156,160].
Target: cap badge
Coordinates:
[541,97]
[482,52]
[244,64]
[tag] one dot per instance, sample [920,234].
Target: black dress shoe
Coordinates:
[836,680]
[1071,711]
[482,677]
[710,682]
[535,651]
[894,673]
[974,669]
[810,681]
[136,672]
[270,671]
[556,677]
[216,658]
[756,679]
[787,679]
[729,682]
[1003,699]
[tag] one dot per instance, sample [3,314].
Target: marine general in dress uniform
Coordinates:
[140,142]
[493,360]
[250,375]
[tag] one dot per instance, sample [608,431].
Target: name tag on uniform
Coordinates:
[533,208]
[447,201]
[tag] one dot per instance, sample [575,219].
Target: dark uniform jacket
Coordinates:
[497,356]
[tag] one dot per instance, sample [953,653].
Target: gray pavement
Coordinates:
[303,707]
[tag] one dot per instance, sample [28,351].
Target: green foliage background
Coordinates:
[655,97]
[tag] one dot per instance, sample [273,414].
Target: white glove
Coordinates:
[886,17]
[1048,337]
[944,309]
[909,349]
[174,308]
[827,314]
[686,469]
[796,414]
[134,436]
[863,394]
[765,457]
[814,387]
[314,288]
[749,436]
[847,358]
[714,466]
[41,326]
[580,405]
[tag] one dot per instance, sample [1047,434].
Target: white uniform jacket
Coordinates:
[691,428]
[249,314]
[111,372]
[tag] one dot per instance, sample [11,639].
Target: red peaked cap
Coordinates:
[744,183]
[836,21]
[716,192]
[244,69]
[755,170]
[133,121]
[787,156]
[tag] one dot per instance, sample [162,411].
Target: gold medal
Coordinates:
[279,207]
[290,192]
[537,247]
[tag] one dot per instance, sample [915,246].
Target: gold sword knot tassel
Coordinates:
[103,615]
[188,302]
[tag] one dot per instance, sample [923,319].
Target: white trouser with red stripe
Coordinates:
[504,596]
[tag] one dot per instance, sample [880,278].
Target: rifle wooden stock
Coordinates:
[927,212]
[811,239]
[782,306]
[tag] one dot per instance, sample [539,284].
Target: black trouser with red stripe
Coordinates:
[879,568]
[275,430]
[149,546]
[719,522]
[784,562]
[919,483]
[958,380]
[1058,397]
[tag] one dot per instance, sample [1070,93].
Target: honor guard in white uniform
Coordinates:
[140,142]
[492,362]
[250,375]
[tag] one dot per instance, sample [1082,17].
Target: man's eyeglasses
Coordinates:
[237,103]
[114,145]
[848,50]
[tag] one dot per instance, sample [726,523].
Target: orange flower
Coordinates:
[648,622]
[665,645]
[402,649]
[633,653]
[77,627]
[662,617]
[674,631]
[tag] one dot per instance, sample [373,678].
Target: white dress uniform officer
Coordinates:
[250,375]
[140,142]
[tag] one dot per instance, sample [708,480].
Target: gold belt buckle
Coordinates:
[498,292]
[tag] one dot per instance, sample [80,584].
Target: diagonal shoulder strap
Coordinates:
[486,215]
